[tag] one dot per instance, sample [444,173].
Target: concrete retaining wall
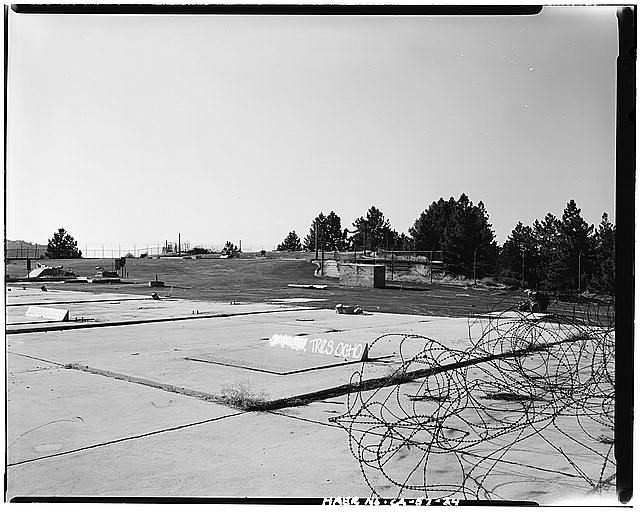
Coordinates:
[330,268]
[361,275]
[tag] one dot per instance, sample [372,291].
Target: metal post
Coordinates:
[178,243]
[474,266]
[579,257]
[392,265]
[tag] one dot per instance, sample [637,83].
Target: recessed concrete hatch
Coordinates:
[270,360]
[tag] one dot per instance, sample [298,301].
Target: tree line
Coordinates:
[565,254]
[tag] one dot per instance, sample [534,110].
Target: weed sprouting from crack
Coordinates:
[242,395]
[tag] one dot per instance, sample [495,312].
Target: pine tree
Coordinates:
[547,234]
[429,227]
[576,254]
[461,231]
[403,242]
[310,240]
[330,233]
[62,245]
[373,232]
[290,243]
[229,249]
[604,244]
[520,257]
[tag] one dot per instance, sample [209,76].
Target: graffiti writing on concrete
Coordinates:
[318,346]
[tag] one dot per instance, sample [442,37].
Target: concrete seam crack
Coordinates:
[128,438]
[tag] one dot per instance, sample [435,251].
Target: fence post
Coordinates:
[392,265]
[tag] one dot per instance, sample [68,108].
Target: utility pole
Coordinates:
[315,230]
[355,257]
[523,268]
[322,261]
[364,242]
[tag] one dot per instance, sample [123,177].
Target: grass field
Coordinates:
[265,279]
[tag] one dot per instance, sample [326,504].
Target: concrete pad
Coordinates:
[17,364]
[95,435]
[291,457]
[96,312]
[532,469]
[57,410]
[222,458]
[32,294]
[157,351]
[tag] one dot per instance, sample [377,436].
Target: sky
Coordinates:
[129,129]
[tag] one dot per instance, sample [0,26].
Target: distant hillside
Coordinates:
[22,249]
[15,244]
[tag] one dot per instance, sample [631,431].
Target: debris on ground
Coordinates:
[54,314]
[348,310]
[105,276]
[47,272]
[313,286]
[537,302]
[156,283]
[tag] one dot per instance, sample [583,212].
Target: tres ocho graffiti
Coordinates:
[318,346]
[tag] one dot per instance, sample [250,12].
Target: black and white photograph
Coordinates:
[324,255]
